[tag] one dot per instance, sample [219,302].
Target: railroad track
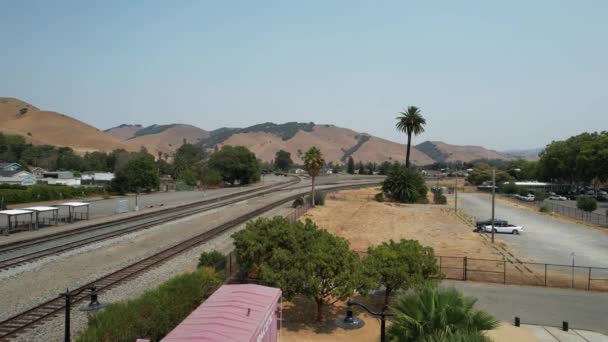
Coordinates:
[37,315]
[180,212]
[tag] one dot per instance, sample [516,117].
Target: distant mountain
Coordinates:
[42,127]
[336,143]
[442,152]
[160,138]
[124,131]
[531,154]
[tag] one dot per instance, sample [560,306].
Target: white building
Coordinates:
[300,172]
[17,178]
[93,177]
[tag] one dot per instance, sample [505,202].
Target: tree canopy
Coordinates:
[399,266]
[350,168]
[299,258]
[282,160]
[236,164]
[410,122]
[139,174]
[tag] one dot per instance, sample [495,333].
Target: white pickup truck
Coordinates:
[529,198]
[508,228]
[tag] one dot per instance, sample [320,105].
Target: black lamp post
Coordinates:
[350,322]
[93,305]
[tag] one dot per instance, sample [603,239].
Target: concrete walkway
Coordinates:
[553,334]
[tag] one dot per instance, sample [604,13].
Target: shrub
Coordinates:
[587,204]
[379,197]
[154,313]
[319,198]
[298,202]
[509,188]
[544,209]
[540,196]
[405,185]
[421,315]
[439,198]
[522,191]
[211,259]
[42,192]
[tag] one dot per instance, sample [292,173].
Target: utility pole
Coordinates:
[456,196]
[493,195]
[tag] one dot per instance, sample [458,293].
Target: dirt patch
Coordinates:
[357,217]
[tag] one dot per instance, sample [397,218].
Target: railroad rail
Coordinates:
[10,247]
[37,315]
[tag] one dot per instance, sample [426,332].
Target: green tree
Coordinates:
[399,266]
[430,311]
[410,122]
[405,185]
[384,168]
[327,270]
[140,173]
[236,163]
[587,204]
[313,162]
[282,160]
[350,168]
[362,169]
[187,165]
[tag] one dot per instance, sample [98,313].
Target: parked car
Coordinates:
[557,198]
[509,228]
[497,222]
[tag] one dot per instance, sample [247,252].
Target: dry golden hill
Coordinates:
[124,132]
[336,143]
[167,139]
[45,127]
[443,152]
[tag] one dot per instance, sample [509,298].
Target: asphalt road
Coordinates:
[540,306]
[545,239]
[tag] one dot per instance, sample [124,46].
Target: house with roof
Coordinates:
[96,178]
[17,178]
[9,166]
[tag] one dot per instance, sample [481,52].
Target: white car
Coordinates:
[509,228]
[557,198]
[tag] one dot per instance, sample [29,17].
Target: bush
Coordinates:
[43,192]
[405,185]
[154,314]
[379,197]
[509,188]
[212,259]
[523,191]
[587,204]
[439,198]
[298,202]
[544,209]
[319,198]
[540,196]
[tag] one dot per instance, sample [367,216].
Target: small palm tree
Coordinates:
[313,162]
[410,122]
[430,313]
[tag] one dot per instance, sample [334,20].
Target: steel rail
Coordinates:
[30,318]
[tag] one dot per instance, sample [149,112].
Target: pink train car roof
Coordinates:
[232,313]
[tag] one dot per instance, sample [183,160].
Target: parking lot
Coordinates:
[545,239]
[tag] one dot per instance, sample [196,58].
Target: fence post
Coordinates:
[504,272]
[589,280]
[545,275]
[464,262]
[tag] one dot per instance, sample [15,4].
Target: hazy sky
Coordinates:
[503,74]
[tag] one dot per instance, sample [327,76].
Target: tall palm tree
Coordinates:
[313,162]
[410,122]
[432,312]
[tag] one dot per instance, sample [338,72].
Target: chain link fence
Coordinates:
[595,218]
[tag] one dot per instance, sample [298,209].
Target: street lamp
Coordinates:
[93,306]
[349,322]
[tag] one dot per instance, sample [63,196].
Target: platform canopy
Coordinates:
[14,212]
[74,204]
[41,209]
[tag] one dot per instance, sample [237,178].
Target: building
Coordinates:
[60,178]
[17,178]
[10,166]
[300,172]
[37,171]
[96,178]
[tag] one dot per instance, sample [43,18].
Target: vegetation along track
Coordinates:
[37,315]
[148,220]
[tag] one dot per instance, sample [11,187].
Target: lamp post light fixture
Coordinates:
[350,322]
[92,306]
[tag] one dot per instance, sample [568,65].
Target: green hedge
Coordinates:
[43,192]
[154,314]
